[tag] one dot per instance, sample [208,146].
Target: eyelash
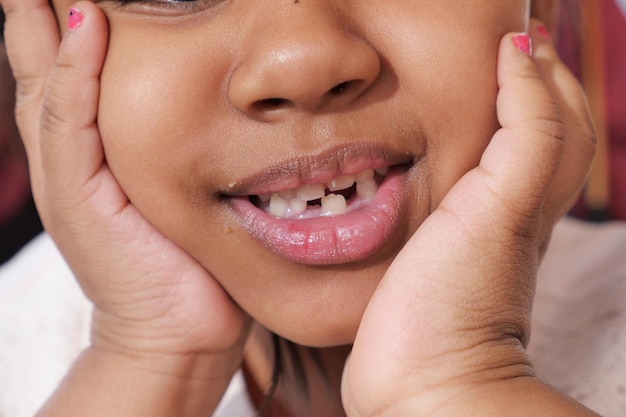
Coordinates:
[165,4]
[125,2]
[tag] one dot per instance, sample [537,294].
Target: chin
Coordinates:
[320,309]
[322,336]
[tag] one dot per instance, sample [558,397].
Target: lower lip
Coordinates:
[329,240]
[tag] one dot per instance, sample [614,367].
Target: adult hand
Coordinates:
[445,332]
[155,308]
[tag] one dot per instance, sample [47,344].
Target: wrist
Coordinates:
[494,381]
[524,396]
[151,337]
[110,382]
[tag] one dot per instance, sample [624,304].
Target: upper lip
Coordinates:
[318,168]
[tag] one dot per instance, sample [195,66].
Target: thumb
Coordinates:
[525,153]
[520,163]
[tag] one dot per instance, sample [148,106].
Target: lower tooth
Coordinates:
[278,206]
[334,204]
[367,188]
[297,206]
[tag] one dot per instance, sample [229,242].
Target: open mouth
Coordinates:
[330,208]
[341,195]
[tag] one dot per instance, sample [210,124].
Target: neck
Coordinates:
[309,379]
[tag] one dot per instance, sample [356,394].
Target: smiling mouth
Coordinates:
[333,207]
[342,194]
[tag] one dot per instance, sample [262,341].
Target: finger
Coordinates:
[71,151]
[524,155]
[32,40]
[579,134]
[519,164]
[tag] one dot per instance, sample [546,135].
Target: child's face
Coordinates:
[206,103]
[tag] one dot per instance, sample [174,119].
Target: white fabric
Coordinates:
[578,342]
[579,321]
[236,402]
[44,323]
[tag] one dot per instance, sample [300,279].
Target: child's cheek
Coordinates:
[156,100]
[455,88]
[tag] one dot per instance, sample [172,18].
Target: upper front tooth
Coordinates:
[297,206]
[311,192]
[288,194]
[278,206]
[341,183]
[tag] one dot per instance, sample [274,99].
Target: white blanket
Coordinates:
[579,321]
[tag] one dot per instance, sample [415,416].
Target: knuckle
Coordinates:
[53,121]
[58,107]
[548,127]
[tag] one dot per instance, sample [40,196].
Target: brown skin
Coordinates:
[161,320]
[171,163]
[206,120]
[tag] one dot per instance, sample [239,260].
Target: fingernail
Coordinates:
[75,18]
[543,32]
[523,43]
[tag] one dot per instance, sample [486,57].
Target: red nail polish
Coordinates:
[75,18]
[523,43]
[543,32]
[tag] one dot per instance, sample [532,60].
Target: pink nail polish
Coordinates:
[543,32]
[523,43]
[75,18]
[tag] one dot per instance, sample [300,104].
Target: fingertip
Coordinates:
[539,31]
[85,39]
[543,41]
[72,18]
[75,18]
[72,87]
[523,43]
[515,58]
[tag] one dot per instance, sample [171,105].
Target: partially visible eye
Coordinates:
[184,5]
[124,2]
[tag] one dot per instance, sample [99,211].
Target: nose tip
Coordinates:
[305,73]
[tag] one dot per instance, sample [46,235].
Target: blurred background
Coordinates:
[591,36]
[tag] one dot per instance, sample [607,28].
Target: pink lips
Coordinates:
[329,240]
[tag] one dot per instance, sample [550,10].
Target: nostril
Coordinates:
[341,87]
[269,104]
[274,104]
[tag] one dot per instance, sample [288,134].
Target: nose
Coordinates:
[303,61]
